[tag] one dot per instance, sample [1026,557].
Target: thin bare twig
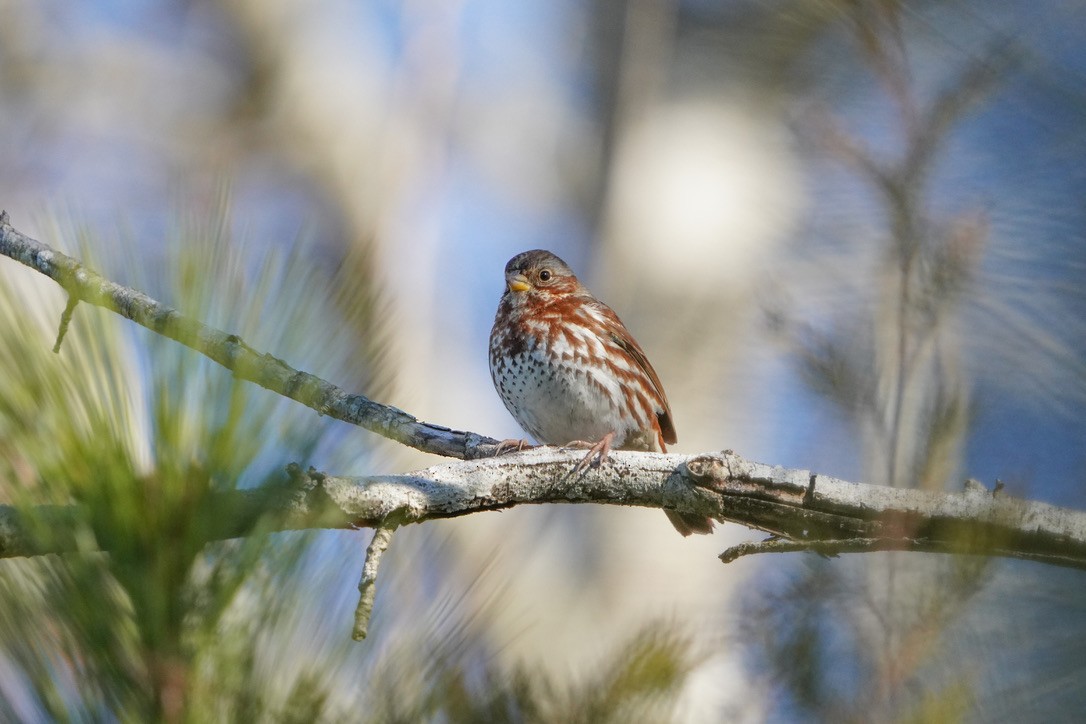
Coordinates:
[367,586]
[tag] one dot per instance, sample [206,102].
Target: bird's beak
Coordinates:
[518,283]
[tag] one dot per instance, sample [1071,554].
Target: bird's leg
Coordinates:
[600,449]
[511,445]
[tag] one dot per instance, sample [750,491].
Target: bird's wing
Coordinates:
[622,337]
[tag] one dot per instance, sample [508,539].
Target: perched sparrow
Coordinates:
[569,371]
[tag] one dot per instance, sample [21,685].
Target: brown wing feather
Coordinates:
[622,337]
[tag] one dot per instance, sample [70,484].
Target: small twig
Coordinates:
[825,548]
[367,586]
[769,545]
[65,320]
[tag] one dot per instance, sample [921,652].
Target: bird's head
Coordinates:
[538,276]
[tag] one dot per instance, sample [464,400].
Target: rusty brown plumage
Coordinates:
[569,371]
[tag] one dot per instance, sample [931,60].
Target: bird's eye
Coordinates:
[545,275]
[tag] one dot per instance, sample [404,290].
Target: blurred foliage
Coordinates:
[866,638]
[138,432]
[640,681]
[878,637]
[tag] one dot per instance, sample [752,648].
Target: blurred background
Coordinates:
[849,235]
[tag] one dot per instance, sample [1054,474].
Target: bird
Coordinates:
[571,374]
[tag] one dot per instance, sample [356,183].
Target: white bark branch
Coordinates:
[804,511]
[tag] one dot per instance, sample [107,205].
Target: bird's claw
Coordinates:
[598,450]
[511,445]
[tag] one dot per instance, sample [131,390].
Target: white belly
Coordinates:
[557,403]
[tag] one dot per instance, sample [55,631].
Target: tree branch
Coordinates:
[367,586]
[234,354]
[808,511]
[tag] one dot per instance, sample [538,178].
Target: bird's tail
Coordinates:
[687,523]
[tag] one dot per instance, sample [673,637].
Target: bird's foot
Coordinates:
[511,445]
[598,450]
